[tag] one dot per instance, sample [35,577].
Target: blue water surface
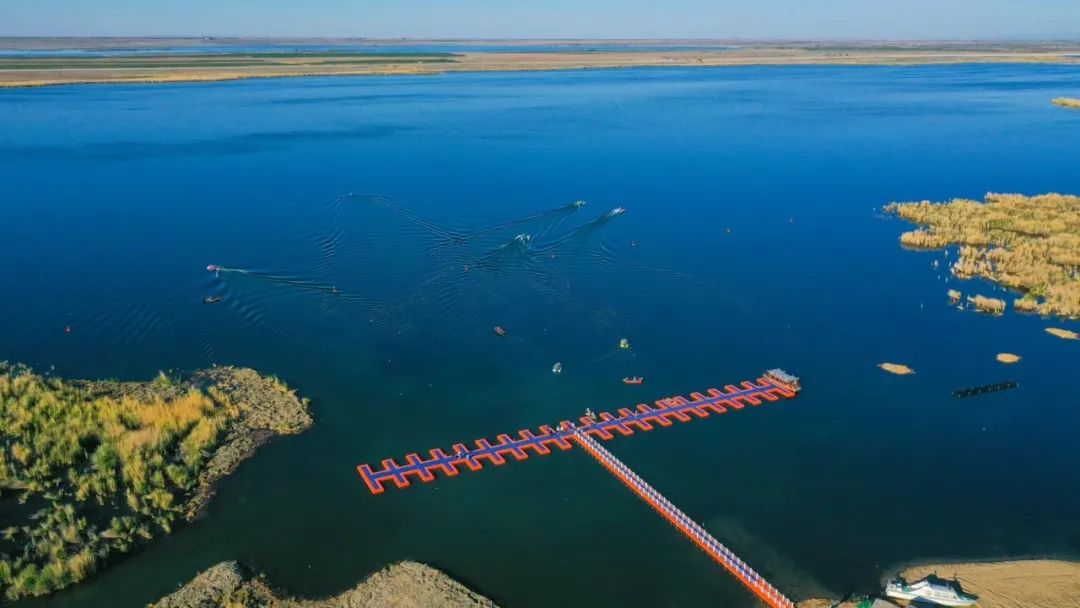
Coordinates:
[752,238]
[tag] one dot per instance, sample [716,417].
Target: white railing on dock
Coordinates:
[687,526]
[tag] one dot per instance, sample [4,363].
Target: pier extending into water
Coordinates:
[714,548]
[602,426]
[772,386]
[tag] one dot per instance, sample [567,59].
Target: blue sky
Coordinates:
[935,19]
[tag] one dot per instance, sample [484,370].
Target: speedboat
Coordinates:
[929,590]
[633,380]
[557,368]
[211,299]
[578,204]
[624,344]
[213,267]
[499,331]
[524,239]
[616,211]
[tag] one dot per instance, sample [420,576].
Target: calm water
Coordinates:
[115,198]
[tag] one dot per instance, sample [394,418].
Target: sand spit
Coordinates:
[896,368]
[1007,358]
[1013,584]
[401,585]
[1066,102]
[36,71]
[1064,334]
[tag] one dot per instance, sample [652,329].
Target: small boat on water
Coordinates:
[211,299]
[499,331]
[557,368]
[624,344]
[213,267]
[929,590]
[633,380]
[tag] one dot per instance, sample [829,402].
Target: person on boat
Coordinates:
[334,290]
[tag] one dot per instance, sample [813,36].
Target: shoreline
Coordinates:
[138,458]
[66,71]
[1047,581]
[403,584]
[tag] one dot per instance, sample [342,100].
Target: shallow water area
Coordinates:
[751,239]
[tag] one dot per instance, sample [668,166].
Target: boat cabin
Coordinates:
[783,379]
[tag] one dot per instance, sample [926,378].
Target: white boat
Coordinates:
[929,592]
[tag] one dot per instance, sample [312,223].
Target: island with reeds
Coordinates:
[1066,102]
[1030,244]
[91,469]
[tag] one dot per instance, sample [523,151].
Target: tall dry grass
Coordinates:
[1027,243]
[81,450]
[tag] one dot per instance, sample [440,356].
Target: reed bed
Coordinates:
[91,469]
[1027,243]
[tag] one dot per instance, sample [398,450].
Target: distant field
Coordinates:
[151,63]
[219,60]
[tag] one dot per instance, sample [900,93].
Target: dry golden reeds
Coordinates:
[1027,243]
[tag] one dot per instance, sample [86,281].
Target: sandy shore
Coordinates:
[402,585]
[1030,583]
[36,71]
[1013,584]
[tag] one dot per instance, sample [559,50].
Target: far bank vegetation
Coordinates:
[92,469]
[1027,243]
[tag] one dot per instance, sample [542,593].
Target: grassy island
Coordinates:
[401,585]
[1027,243]
[1066,102]
[89,469]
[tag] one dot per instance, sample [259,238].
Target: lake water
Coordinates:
[751,240]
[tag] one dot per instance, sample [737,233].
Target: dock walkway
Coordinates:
[714,548]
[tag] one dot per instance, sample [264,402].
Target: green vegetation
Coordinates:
[89,469]
[1027,243]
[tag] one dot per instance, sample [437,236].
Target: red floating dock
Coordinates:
[603,426]
[721,554]
[774,385]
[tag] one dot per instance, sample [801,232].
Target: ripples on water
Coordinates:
[370,260]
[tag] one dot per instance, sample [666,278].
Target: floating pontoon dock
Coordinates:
[772,386]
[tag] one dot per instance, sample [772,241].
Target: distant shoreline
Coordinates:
[282,62]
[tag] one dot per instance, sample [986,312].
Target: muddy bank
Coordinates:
[401,585]
[267,408]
